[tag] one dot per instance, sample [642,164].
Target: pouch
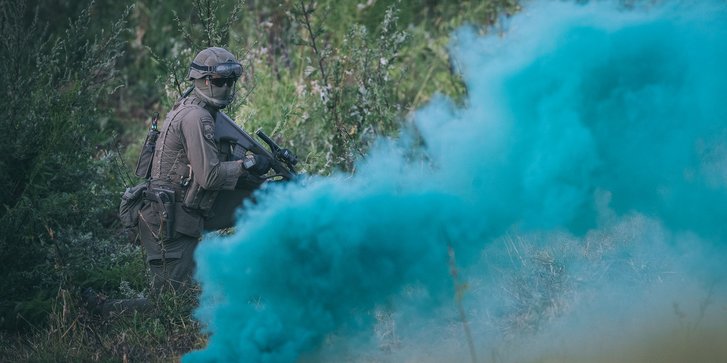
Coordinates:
[146,156]
[131,202]
[200,198]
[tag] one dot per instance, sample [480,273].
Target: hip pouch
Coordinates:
[131,203]
[199,198]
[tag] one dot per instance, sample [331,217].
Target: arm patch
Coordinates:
[209,128]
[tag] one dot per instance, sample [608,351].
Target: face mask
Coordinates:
[217,93]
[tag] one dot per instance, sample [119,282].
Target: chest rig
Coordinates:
[171,169]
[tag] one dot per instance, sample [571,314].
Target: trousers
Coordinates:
[170,261]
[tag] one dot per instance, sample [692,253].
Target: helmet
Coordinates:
[213,63]
[216,62]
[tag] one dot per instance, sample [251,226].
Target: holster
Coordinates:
[166,200]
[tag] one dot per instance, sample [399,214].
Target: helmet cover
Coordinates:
[211,63]
[207,61]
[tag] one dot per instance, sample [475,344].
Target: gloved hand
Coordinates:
[248,181]
[256,164]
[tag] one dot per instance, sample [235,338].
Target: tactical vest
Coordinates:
[171,169]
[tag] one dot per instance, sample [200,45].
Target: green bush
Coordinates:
[329,76]
[58,188]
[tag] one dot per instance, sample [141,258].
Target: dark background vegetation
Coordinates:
[79,80]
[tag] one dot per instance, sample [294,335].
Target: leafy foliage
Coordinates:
[347,71]
[58,184]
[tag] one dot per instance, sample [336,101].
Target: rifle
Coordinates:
[235,143]
[227,132]
[239,142]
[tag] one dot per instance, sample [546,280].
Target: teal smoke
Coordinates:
[576,117]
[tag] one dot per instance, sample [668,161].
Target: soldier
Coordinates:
[186,176]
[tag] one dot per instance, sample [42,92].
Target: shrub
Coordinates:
[58,188]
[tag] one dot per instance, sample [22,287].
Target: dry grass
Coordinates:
[705,345]
[73,334]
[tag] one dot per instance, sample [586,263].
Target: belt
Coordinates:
[156,186]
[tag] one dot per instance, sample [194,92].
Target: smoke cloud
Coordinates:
[572,207]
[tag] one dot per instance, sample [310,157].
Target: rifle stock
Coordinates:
[227,131]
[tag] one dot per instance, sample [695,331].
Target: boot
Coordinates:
[93,301]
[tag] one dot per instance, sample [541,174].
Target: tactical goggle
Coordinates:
[219,82]
[224,70]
